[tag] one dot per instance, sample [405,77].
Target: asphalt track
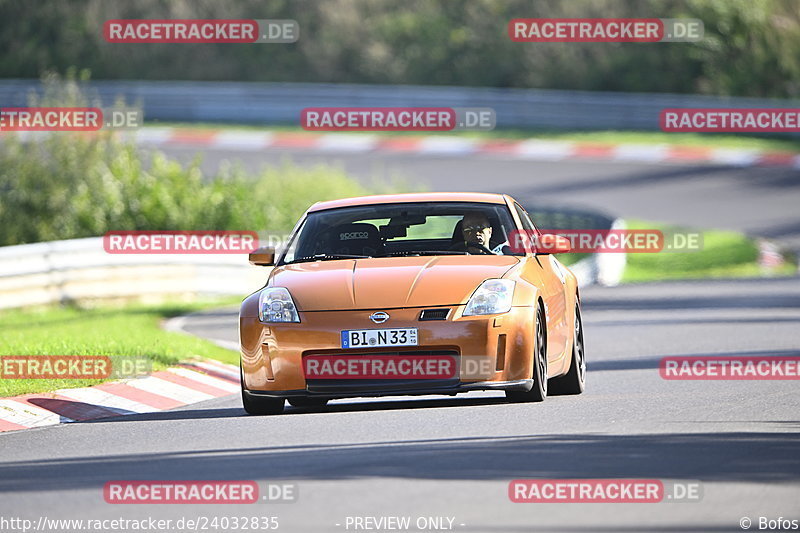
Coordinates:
[454,457]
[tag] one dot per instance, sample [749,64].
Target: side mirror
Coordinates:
[550,243]
[262,257]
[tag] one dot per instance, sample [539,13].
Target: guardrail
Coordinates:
[281,103]
[81,270]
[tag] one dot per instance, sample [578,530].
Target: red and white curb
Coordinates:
[177,386]
[442,145]
[528,149]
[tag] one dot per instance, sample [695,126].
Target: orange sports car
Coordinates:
[411,294]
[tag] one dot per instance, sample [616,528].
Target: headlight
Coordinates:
[492,297]
[275,304]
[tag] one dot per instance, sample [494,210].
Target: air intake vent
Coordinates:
[434,314]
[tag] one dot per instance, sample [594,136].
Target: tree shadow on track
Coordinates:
[766,457]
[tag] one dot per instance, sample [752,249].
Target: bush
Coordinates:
[66,186]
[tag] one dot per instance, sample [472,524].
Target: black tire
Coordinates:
[574,381]
[260,406]
[538,391]
[301,401]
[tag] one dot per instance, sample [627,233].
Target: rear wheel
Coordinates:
[307,402]
[574,381]
[260,406]
[539,390]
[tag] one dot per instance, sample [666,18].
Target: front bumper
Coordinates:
[524,385]
[272,354]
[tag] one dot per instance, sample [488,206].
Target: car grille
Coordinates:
[433,314]
[328,386]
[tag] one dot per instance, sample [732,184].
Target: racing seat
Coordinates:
[354,239]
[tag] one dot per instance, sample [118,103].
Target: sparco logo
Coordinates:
[353,235]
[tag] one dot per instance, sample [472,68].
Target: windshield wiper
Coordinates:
[425,252]
[325,257]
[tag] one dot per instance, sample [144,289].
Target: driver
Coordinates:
[476,229]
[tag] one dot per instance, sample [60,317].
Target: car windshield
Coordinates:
[398,230]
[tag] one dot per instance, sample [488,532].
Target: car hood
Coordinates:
[391,282]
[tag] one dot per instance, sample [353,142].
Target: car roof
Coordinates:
[480,197]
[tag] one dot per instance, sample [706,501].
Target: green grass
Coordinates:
[724,254]
[132,330]
[733,141]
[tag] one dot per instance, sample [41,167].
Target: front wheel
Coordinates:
[538,391]
[574,381]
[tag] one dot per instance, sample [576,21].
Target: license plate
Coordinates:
[374,338]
